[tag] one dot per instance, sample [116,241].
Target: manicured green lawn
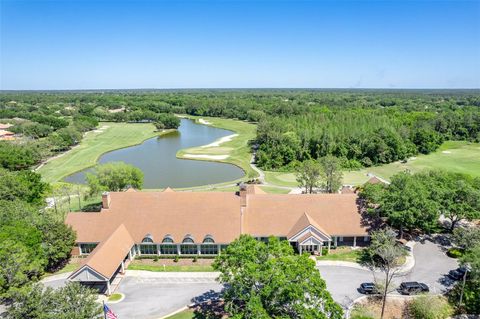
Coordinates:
[454,156]
[186,314]
[342,254]
[274,190]
[115,297]
[171,268]
[112,136]
[237,149]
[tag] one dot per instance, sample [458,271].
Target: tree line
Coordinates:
[360,127]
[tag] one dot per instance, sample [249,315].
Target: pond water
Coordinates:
[156,158]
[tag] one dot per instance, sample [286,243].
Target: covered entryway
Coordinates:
[308,236]
[104,267]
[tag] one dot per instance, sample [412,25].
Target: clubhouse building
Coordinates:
[170,223]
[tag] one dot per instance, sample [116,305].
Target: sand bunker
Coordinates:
[213,157]
[220,141]
[202,121]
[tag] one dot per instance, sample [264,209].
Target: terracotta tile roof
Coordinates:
[218,214]
[108,255]
[275,214]
[162,213]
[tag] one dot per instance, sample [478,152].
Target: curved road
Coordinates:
[148,296]
[431,267]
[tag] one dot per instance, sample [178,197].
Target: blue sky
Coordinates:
[235,44]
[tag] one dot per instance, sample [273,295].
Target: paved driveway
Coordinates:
[150,298]
[431,266]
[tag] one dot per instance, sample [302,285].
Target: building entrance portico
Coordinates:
[313,249]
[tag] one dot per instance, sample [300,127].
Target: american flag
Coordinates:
[109,313]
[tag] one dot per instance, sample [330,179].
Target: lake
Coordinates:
[156,158]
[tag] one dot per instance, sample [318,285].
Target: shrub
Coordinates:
[155,259]
[430,307]
[361,312]
[455,252]
[176,259]
[195,259]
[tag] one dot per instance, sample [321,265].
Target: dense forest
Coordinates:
[361,127]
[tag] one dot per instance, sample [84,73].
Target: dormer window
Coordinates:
[188,239]
[147,239]
[208,240]
[168,239]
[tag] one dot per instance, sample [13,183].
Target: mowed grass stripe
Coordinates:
[94,144]
[453,156]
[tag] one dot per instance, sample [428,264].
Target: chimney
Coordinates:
[243,194]
[106,200]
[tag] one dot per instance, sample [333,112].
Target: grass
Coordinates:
[68,268]
[171,268]
[342,254]
[237,149]
[274,190]
[186,314]
[115,297]
[453,156]
[94,144]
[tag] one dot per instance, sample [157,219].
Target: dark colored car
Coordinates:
[412,288]
[368,288]
[457,274]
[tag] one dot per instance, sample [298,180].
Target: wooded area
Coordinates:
[361,127]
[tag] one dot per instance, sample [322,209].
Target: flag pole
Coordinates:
[104,312]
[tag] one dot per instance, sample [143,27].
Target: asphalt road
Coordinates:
[431,267]
[151,298]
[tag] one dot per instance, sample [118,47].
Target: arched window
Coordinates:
[188,239]
[167,239]
[147,239]
[208,239]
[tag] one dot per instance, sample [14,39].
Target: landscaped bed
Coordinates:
[169,265]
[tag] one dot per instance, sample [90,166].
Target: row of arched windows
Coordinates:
[188,239]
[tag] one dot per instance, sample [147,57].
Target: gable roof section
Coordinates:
[161,213]
[275,214]
[304,222]
[107,256]
[311,237]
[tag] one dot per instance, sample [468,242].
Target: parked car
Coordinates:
[457,274]
[368,288]
[412,288]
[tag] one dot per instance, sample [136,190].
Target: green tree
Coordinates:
[384,254]
[456,194]
[466,237]
[17,157]
[114,176]
[58,240]
[23,185]
[332,173]
[308,174]
[72,301]
[408,204]
[268,280]
[17,266]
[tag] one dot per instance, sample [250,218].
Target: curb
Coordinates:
[116,301]
[404,269]
[56,277]
[174,312]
